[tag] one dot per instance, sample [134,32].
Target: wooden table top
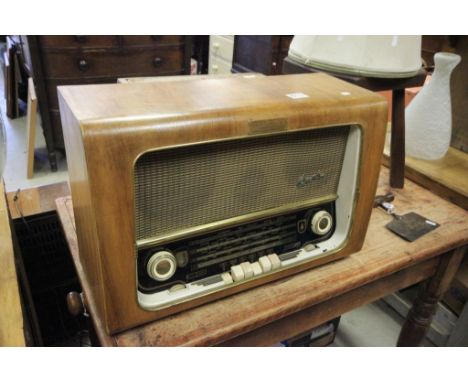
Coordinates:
[383,254]
[447,177]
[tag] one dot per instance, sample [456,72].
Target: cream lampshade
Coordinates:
[370,56]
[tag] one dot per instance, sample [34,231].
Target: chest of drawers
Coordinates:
[261,54]
[73,60]
[221,49]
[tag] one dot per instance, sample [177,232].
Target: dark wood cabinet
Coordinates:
[261,54]
[72,60]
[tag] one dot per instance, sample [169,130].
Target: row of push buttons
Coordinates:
[246,270]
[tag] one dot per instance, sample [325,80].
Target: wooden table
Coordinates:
[446,177]
[267,314]
[397,86]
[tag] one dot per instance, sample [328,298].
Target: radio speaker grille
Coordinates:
[190,186]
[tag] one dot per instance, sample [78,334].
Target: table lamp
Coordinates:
[369,56]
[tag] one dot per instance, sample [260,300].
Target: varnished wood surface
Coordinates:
[386,263]
[264,54]
[306,319]
[36,200]
[11,315]
[447,177]
[107,127]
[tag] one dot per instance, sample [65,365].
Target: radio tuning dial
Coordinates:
[161,266]
[321,223]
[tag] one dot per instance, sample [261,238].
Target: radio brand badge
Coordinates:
[305,180]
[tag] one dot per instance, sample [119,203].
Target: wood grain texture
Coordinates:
[447,177]
[108,126]
[316,315]
[32,201]
[31,126]
[263,54]
[382,256]
[11,314]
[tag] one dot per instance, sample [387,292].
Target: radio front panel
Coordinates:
[199,258]
[275,207]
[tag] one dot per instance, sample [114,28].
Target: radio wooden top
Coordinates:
[247,94]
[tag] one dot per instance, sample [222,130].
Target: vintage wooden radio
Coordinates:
[188,191]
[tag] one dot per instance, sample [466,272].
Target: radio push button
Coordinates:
[248,270]
[227,278]
[275,261]
[265,264]
[237,273]
[257,269]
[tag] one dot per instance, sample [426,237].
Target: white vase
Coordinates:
[428,118]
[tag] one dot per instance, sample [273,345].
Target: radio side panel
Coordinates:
[374,128]
[88,241]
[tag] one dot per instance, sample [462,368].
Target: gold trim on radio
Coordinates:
[215,226]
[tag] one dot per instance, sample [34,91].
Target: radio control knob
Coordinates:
[321,223]
[161,266]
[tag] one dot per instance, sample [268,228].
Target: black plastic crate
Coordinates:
[51,274]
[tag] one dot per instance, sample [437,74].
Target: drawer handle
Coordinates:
[83,64]
[157,61]
[80,39]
